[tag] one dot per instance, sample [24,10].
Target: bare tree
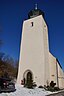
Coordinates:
[7,65]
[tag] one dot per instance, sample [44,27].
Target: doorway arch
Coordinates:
[27,77]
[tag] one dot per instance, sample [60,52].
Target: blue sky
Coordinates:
[14,12]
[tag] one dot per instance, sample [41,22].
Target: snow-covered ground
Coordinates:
[21,91]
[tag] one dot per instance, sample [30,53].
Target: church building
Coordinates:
[35,59]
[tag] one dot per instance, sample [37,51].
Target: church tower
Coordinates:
[34,49]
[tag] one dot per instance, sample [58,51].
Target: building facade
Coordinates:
[35,59]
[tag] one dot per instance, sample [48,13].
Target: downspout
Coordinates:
[57,74]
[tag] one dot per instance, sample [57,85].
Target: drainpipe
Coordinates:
[57,74]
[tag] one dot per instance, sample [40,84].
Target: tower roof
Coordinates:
[35,12]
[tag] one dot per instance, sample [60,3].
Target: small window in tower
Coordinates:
[32,24]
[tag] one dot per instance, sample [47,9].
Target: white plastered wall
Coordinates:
[34,50]
[53,70]
[60,76]
[56,72]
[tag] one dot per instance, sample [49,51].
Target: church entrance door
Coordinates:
[28,79]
